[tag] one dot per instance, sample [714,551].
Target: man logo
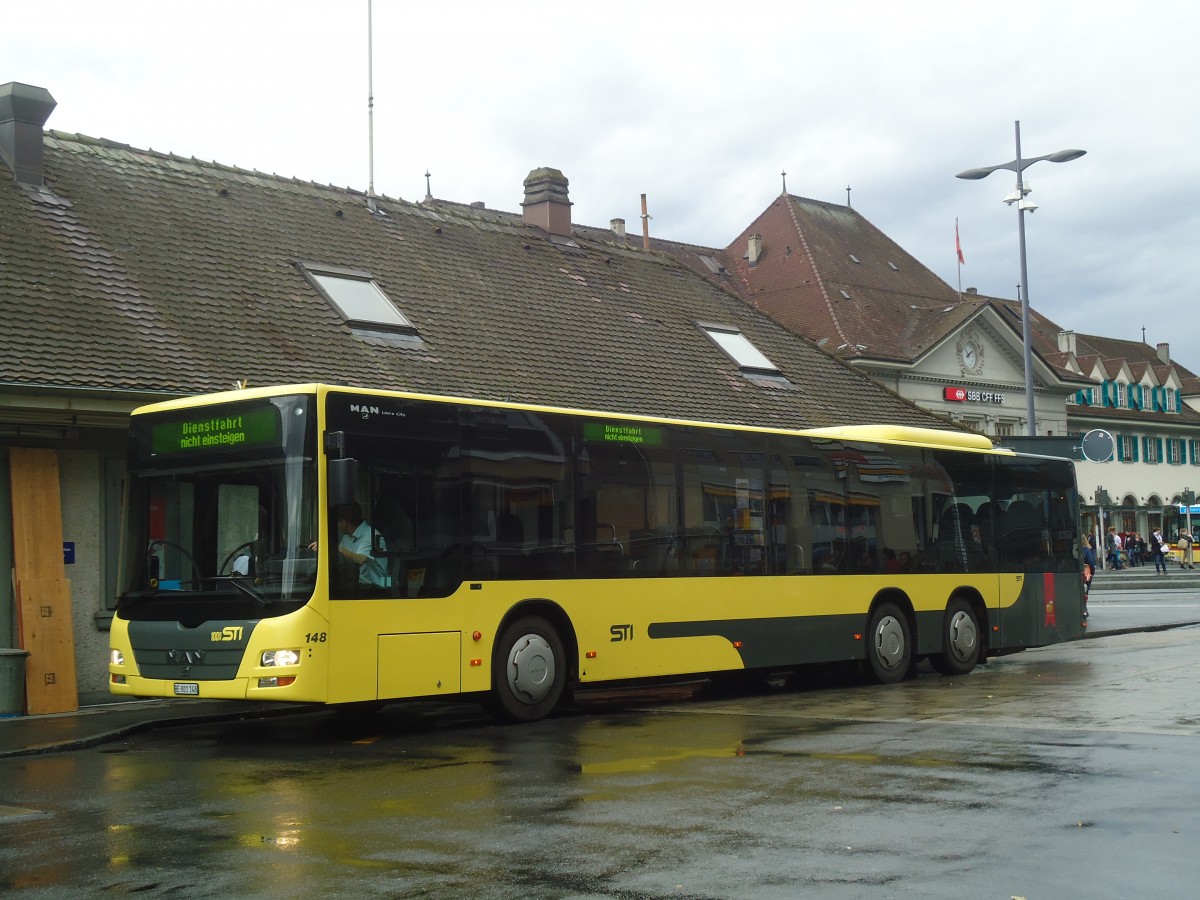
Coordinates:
[364,409]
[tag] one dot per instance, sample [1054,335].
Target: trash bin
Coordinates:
[12,682]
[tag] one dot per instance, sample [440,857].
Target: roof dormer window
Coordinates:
[361,302]
[739,348]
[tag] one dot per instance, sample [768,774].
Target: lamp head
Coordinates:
[1066,155]
[976,174]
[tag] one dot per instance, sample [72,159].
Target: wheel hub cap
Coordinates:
[889,642]
[531,668]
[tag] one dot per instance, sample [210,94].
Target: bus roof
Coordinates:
[880,434]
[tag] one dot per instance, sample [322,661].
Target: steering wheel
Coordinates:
[163,542]
[233,554]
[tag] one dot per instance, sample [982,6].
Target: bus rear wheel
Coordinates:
[528,671]
[960,640]
[889,650]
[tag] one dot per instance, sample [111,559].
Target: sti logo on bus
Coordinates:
[364,409]
[620,633]
[228,633]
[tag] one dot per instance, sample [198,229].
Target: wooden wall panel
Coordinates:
[43,593]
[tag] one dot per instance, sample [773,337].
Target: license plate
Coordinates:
[187,689]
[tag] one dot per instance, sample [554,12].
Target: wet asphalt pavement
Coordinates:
[1062,772]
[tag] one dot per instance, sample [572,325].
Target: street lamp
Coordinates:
[1019,165]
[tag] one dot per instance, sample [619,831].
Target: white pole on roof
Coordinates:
[370,114]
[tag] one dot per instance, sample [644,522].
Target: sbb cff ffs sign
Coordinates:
[963,395]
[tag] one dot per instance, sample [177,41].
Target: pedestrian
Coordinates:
[1112,548]
[1131,547]
[1159,546]
[1089,572]
[1141,550]
[1185,544]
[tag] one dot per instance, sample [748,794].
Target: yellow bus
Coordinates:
[343,546]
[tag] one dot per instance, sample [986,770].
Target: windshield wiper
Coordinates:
[130,599]
[238,582]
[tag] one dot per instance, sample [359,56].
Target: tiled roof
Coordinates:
[829,274]
[141,271]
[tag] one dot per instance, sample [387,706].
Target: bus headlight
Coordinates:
[281,658]
[116,657]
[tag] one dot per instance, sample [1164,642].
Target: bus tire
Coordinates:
[528,671]
[960,639]
[889,648]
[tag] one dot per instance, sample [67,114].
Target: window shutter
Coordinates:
[1120,449]
[1133,443]
[1106,393]
[1159,441]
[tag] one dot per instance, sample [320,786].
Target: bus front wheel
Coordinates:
[890,651]
[960,640]
[528,671]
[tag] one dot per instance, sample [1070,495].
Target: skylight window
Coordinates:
[739,348]
[359,299]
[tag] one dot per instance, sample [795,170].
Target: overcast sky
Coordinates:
[700,106]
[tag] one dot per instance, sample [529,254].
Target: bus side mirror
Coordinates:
[343,481]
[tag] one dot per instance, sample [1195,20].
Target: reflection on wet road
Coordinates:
[1062,772]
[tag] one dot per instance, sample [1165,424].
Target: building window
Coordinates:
[1194,452]
[1152,449]
[1175,451]
[358,298]
[739,348]
[1127,448]
[1005,428]
[1120,388]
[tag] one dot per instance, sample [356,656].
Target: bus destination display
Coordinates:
[218,431]
[622,433]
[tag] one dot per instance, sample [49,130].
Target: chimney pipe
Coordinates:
[24,110]
[645,225]
[618,227]
[1067,343]
[754,249]
[547,205]
[1164,353]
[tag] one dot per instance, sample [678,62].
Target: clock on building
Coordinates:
[970,354]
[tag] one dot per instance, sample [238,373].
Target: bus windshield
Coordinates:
[221,512]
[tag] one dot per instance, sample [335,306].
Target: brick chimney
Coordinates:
[754,249]
[546,203]
[24,110]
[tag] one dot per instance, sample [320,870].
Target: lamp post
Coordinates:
[1019,165]
[1101,502]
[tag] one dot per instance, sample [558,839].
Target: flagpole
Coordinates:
[958,254]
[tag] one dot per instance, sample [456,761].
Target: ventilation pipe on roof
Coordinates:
[547,205]
[24,110]
[1066,342]
[754,249]
[1164,353]
[645,225]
